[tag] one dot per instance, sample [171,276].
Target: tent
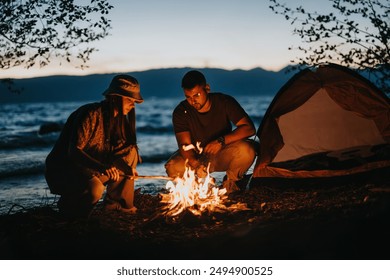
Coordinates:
[324,123]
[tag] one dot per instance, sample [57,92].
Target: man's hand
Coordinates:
[112,173]
[199,169]
[213,148]
[134,172]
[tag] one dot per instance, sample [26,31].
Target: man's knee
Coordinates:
[250,150]
[96,194]
[175,166]
[174,169]
[245,152]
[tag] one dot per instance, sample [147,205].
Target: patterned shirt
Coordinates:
[88,130]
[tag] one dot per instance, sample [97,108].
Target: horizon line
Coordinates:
[141,70]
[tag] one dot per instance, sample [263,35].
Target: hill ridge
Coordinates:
[164,82]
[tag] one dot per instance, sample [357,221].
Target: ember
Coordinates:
[197,195]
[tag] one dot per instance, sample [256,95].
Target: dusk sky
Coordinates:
[151,34]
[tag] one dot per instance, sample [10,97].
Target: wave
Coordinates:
[22,162]
[47,135]
[33,162]
[54,127]
[24,170]
[150,129]
[39,168]
[27,140]
[157,158]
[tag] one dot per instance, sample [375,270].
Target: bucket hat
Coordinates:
[125,85]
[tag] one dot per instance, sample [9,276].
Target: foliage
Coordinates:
[35,31]
[355,34]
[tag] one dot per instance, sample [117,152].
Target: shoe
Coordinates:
[235,186]
[242,183]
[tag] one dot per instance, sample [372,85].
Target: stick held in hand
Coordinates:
[157,177]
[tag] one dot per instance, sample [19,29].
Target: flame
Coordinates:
[198,195]
[198,149]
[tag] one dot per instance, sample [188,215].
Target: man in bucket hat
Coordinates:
[97,148]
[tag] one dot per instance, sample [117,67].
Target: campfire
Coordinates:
[197,195]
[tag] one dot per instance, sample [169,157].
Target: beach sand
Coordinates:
[334,219]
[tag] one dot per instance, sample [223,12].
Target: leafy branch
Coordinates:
[355,34]
[34,31]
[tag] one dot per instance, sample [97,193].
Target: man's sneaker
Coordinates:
[235,186]
[242,183]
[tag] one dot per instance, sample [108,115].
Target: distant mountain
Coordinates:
[158,82]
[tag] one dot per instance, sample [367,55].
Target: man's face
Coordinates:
[197,96]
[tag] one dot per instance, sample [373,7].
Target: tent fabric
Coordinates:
[318,114]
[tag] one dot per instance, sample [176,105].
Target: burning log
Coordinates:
[191,196]
[196,195]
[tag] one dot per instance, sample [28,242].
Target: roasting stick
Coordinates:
[160,177]
[157,177]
